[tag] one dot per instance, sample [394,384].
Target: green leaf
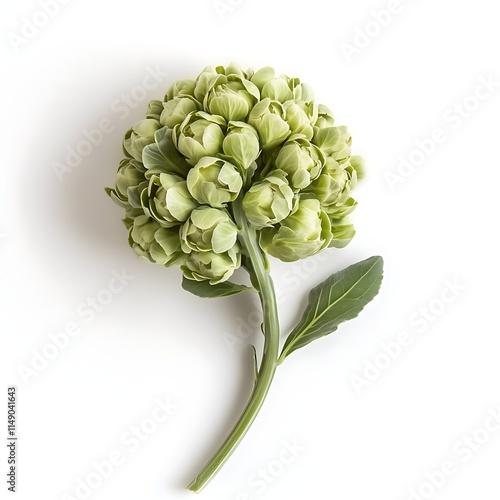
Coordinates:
[339,298]
[206,290]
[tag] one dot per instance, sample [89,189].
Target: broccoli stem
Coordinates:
[262,281]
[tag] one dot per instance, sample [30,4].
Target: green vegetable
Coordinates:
[168,200]
[269,119]
[199,135]
[139,136]
[208,229]
[303,233]
[241,144]
[301,160]
[214,182]
[177,109]
[269,201]
[229,168]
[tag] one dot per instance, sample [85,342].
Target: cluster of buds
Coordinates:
[228,137]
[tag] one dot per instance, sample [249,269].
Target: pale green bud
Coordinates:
[340,210]
[241,144]
[167,199]
[137,138]
[358,164]
[199,135]
[235,69]
[166,247]
[143,232]
[301,91]
[343,233]
[155,244]
[204,81]
[301,160]
[300,116]
[325,117]
[303,233]
[129,175]
[262,76]
[329,189]
[277,89]
[130,181]
[182,88]
[208,230]
[334,141]
[269,201]
[212,267]
[175,111]
[214,182]
[155,108]
[231,97]
[268,118]
[141,235]
[334,185]
[345,174]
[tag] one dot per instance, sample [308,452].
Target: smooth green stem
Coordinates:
[262,281]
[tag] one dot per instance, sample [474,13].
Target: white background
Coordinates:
[62,240]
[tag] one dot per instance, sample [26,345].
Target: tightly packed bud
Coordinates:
[300,116]
[301,91]
[142,235]
[181,88]
[358,164]
[262,76]
[231,97]
[337,202]
[155,109]
[241,144]
[333,187]
[130,175]
[214,182]
[155,244]
[204,81]
[138,137]
[277,89]
[268,118]
[166,247]
[270,201]
[325,117]
[130,182]
[208,229]
[175,111]
[303,233]
[199,135]
[301,160]
[167,199]
[342,234]
[210,266]
[334,141]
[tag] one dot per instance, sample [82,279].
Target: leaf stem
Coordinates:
[261,279]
